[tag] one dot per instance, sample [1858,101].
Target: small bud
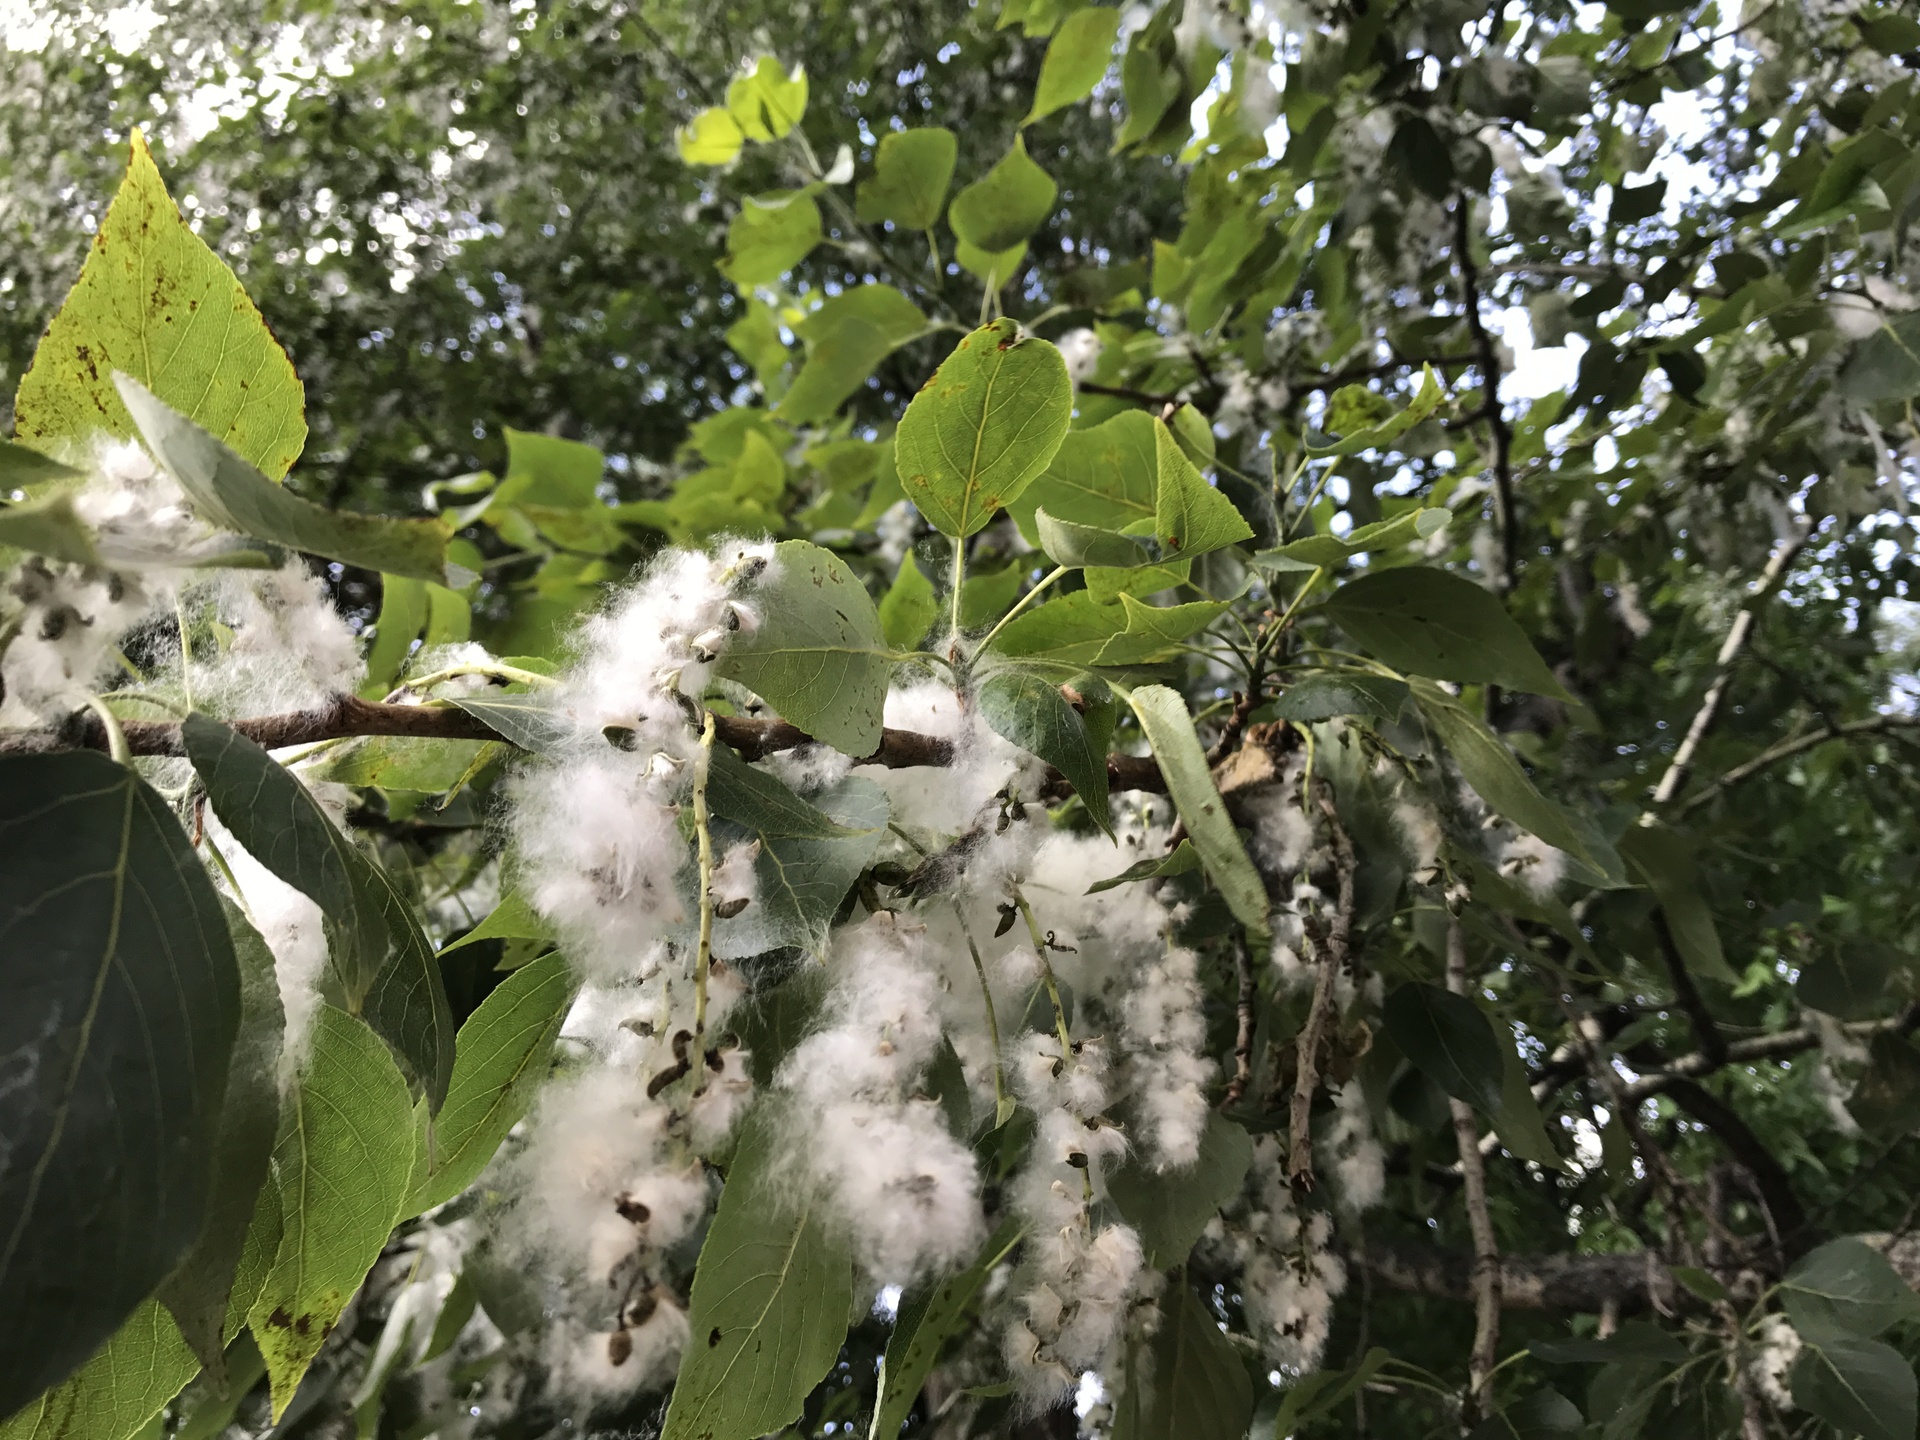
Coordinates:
[727,909]
[619,1348]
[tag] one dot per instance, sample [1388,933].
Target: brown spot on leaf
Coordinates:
[713,1337]
[280,1318]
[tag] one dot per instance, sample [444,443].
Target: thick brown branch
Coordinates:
[348,716]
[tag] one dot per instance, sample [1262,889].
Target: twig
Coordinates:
[1505,524]
[1243,1031]
[1706,1030]
[1486,1248]
[1798,745]
[1738,633]
[703,956]
[1333,957]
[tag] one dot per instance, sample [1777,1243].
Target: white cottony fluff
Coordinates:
[902,1186]
[1534,863]
[1291,1278]
[1351,1153]
[596,826]
[290,650]
[295,932]
[1076,1279]
[1774,1358]
[1165,1036]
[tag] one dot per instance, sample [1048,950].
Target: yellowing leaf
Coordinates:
[154,301]
[713,137]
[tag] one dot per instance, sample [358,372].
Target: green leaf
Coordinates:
[199,1291]
[1331,550]
[817,655]
[1105,475]
[230,493]
[1421,157]
[1169,729]
[1182,860]
[119,1002]
[1313,1396]
[1429,622]
[762,803]
[501,1059]
[1004,206]
[836,367]
[771,234]
[1077,56]
[846,340]
[930,1315]
[1489,767]
[281,825]
[1321,697]
[771,1297]
[154,301]
[1079,629]
[1636,1341]
[512,919]
[1077,546]
[799,881]
[403,615]
[402,762]
[713,137]
[1663,861]
[343,1159]
[983,428]
[1886,1101]
[1029,710]
[1851,983]
[1543,1415]
[1190,516]
[1846,1287]
[908,609]
[22,468]
[911,172]
[386,968]
[1448,1039]
[1382,434]
[1187,1381]
[1860,1387]
[113,1396]
[1517,1119]
[50,527]
[1170,1208]
[985,598]
[1886,365]
[1151,80]
[528,721]
[768,101]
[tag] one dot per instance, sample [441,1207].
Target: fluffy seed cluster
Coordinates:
[1077,1274]
[1165,1036]
[1773,1360]
[596,827]
[1292,1278]
[899,1182]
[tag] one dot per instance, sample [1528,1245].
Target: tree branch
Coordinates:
[348,716]
[1504,520]
[1486,1249]
[1737,635]
[1790,1219]
[1797,745]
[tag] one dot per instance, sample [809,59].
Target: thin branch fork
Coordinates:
[348,716]
[1796,745]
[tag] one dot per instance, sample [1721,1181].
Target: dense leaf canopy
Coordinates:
[1188,720]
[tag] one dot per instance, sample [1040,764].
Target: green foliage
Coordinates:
[500,1058]
[1191,1381]
[1077,57]
[1447,1037]
[769,1307]
[1169,730]
[911,172]
[929,1317]
[1004,206]
[155,302]
[1031,711]
[816,653]
[1428,622]
[983,428]
[346,1116]
[122,1002]
[1170,1208]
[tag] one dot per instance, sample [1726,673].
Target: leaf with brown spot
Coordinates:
[154,301]
[343,1160]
